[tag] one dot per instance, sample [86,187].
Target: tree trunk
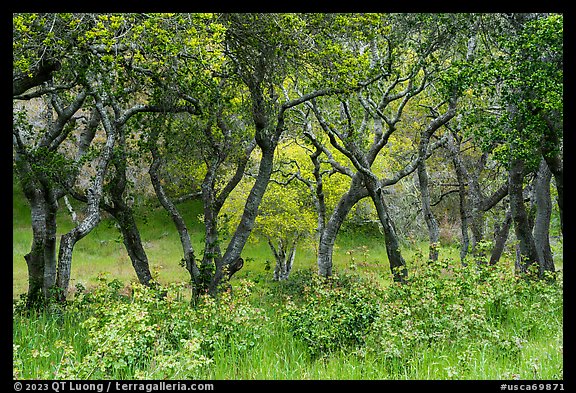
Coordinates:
[500,237]
[552,153]
[50,262]
[397,263]
[189,258]
[230,262]
[266,136]
[289,262]
[556,166]
[35,258]
[132,241]
[67,243]
[41,260]
[94,194]
[35,262]
[125,217]
[476,211]
[431,222]
[40,74]
[212,253]
[284,254]
[461,176]
[541,230]
[463,209]
[40,189]
[318,193]
[527,254]
[328,235]
[473,204]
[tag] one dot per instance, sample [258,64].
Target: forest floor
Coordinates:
[450,322]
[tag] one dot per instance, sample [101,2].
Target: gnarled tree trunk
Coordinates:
[35,259]
[228,264]
[189,258]
[541,230]
[431,222]
[328,235]
[125,217]
[395,259]
[132,241]
[500,237]
[527,254]
[284,254]
[94,194]
[42,190]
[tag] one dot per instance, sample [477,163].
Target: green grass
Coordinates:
[47,344]
[102,251]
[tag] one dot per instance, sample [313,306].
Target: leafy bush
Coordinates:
[153,334]
[121,336]
[294,287]
[468,309]
[332,313]
[444,322]
[125,332]
[229,322]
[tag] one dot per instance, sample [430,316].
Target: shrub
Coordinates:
[229,321]
[468,309]
[149,332]
[332,313]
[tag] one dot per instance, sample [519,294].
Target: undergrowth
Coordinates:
[446,322]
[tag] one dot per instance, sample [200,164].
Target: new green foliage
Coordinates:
[333,313]
[446,322]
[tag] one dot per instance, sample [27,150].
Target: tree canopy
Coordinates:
[285,125]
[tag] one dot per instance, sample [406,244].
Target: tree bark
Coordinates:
[125,217]
[395,259]
[132,241]
[42,73]
[40,263]
[67,243]
[50,262]
[35,258]
[94,194]
[267,136]
[552,153]
[556,166]
[42,190]
[212,252]
[284,254]
[318,193]
[189,258]
[461,176]
[212,200]
[431,222]
[476,211]
[232,255]
[114,129]
[500,237]
[541,230]
[473,204]
[328,237]
[527,253]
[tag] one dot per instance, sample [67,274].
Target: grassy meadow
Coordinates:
[448,322]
